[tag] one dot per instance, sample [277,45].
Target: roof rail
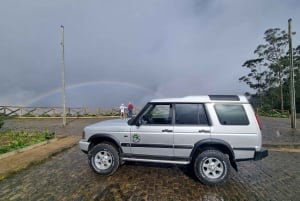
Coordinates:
[224,97]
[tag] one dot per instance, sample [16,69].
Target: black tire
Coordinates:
[212,167]
[104,159]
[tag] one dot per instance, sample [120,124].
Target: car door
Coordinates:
[154,135]
[191,126]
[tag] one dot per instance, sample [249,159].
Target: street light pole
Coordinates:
[292,79]
[63,75]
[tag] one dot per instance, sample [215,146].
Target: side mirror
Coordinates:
[138,122]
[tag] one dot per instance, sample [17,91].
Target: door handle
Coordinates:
[204,131]
[167,130]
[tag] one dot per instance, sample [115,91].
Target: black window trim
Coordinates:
[149,104]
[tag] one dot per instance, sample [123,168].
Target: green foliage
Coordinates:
[269,72]
[44,115]
[2,118]
[111,114]
[1,122]
[268,112]
[13,140]
[28,115]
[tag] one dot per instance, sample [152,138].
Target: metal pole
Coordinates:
[63,75]
[292,79]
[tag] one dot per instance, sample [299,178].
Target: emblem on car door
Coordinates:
[136,138]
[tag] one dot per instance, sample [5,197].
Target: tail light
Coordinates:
[83,135]
[258,121]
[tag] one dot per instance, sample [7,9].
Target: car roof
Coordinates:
[203,99]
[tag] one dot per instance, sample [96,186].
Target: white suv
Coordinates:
[209,133]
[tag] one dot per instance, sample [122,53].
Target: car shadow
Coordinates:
[185,169]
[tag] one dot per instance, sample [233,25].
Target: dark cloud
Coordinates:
[166,48]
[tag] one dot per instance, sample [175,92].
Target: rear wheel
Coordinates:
[104,159]
[212,167]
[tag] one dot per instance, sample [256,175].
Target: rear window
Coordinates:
[231,114]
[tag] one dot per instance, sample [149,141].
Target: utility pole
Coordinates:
[292,79]
[63,70]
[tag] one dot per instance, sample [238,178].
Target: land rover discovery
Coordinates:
[208,133]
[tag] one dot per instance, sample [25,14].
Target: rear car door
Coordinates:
[191,125]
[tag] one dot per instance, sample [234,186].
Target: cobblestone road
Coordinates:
[67,176]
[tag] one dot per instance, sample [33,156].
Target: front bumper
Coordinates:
[261,154]
[84,146]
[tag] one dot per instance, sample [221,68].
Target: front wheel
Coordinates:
[212,167]
[104,159]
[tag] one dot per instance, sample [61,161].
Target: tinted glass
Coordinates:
[231,115]
[190,114]
[202,115]
[158,114]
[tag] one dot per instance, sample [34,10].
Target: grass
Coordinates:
[13,140]
[273,113]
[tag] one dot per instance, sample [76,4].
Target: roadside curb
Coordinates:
[289,150]
[26,148]
[291,146]
[283,147]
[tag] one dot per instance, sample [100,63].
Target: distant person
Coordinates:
[122,110]
[130,109]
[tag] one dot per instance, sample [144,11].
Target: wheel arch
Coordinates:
[99,138]
[218,144]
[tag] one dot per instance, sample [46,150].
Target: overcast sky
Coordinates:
[118,51]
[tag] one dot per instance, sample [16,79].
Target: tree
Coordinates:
[1,120]
[297,76]
[269,70]
[256,78]
[273,52]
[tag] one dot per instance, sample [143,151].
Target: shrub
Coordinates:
[1,121]
[266,111]
[12,140]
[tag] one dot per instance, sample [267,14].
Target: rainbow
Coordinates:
[74,87]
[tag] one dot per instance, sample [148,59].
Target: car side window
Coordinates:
[231,114]
[190,114]
[158,114]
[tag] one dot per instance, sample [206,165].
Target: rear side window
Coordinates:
[231,114]
[190,114]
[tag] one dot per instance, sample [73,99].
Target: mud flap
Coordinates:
[233,164]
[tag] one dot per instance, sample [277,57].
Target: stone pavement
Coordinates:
[276,133]
[67,176]
[22,160]
[67,137]
[276,136]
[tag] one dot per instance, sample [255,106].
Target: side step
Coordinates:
[155,161]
